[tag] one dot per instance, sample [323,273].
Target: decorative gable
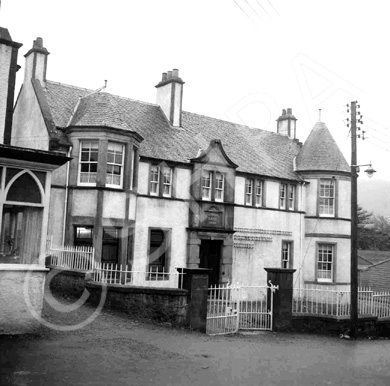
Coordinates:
[214,155]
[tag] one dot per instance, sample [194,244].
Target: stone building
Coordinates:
[25,182]
[156,187]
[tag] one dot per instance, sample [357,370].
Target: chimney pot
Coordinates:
[289,111]
[164,76]
[175,73]
[284,112]
[169,74]
[38,43]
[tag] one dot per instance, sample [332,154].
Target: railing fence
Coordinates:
[336,301]
[71,257]
[123,274]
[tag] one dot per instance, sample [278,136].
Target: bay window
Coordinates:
[89,161]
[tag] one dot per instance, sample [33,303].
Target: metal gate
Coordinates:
[234,307]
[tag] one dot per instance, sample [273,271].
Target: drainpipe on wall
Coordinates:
[301,236]
[66,195]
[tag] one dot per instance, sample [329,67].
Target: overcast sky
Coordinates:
[241,60]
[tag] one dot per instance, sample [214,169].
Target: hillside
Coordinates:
[374,195]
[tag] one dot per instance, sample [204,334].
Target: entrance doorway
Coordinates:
[210,257]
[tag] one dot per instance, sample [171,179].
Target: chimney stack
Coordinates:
[286,124]
[170,96]
[36,62]
[9,67]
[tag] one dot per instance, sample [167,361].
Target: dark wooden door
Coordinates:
[210,257]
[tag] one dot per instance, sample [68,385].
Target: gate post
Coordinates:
[195,281]
[282,298]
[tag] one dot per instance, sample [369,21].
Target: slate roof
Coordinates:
[253,150]
[321,153]
[372,257]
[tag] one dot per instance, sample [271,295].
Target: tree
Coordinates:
[365,229]
[373,231]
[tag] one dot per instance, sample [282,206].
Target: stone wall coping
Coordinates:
[137,289]
[195,271]
[361,318]
[280,270]
[23,267]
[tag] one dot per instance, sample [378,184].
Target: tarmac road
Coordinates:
[115,350]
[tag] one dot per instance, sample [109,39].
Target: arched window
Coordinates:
[25,189]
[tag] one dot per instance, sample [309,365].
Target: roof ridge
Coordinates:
[379,263]
[68,85]
[156,105]
[129,99]
[238,124]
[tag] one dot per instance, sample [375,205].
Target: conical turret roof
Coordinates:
[321,153]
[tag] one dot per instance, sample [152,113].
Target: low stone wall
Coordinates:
[161,304]
[21,298]
[367,326]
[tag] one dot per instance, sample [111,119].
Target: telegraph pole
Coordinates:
[354,225]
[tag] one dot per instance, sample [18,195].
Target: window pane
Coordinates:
[110,157]
[20,234]
[94,156]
